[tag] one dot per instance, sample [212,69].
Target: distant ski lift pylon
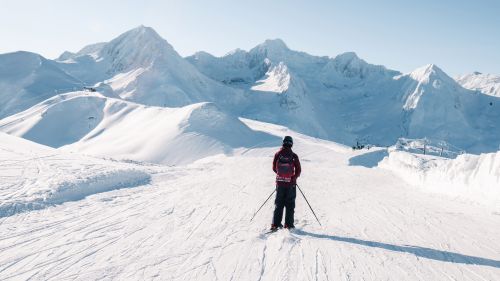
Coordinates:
[89,89]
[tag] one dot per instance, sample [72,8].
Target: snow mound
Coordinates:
[59,120]
[475,177]
[102,126]
[35,176]
[165,135]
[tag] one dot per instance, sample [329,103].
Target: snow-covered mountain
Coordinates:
[435,105]
[347,99]
[155,172]
[27,79]
[487,84]
[344,98]
[141,66]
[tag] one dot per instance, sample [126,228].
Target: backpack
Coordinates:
[285,168]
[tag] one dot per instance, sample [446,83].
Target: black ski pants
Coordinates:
[285,198]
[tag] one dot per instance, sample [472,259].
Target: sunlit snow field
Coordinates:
[193,222]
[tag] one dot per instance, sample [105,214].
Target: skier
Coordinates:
[286,165]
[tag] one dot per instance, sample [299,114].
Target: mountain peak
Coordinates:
[348,59]
[235,52]
[273,44]
[429,72]
[138,47]
[348,56]
[143,33]
[202,55]
[352,66]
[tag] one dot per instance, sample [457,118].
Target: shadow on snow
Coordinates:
[369,159]
[423,252]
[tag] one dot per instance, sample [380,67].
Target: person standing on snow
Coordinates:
[286,165]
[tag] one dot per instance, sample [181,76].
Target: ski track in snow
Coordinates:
[192,223]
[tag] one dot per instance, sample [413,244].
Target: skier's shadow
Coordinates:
[423,252]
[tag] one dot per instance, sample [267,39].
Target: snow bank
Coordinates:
[35,176]
[475,177]
[75,188]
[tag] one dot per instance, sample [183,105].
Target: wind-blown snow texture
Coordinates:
[35,177]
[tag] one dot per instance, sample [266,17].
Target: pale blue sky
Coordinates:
[459,36]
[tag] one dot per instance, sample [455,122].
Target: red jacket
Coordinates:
[296,165]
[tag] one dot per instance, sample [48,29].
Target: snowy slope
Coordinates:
[487,84]
[437,107]
[315,95]
[141,66]
[27,79]
[348,100]
[102,126]
[344,99]
[36,177]
[192,223]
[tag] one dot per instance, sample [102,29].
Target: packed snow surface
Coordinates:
[192,222]
[154,172]
[35,177]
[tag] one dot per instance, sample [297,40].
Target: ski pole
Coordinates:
[263,204]
[308,204]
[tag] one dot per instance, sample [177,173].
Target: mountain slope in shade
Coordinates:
[27,79]
[102,126]
[487,84]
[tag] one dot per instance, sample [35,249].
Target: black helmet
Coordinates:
[288,141]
